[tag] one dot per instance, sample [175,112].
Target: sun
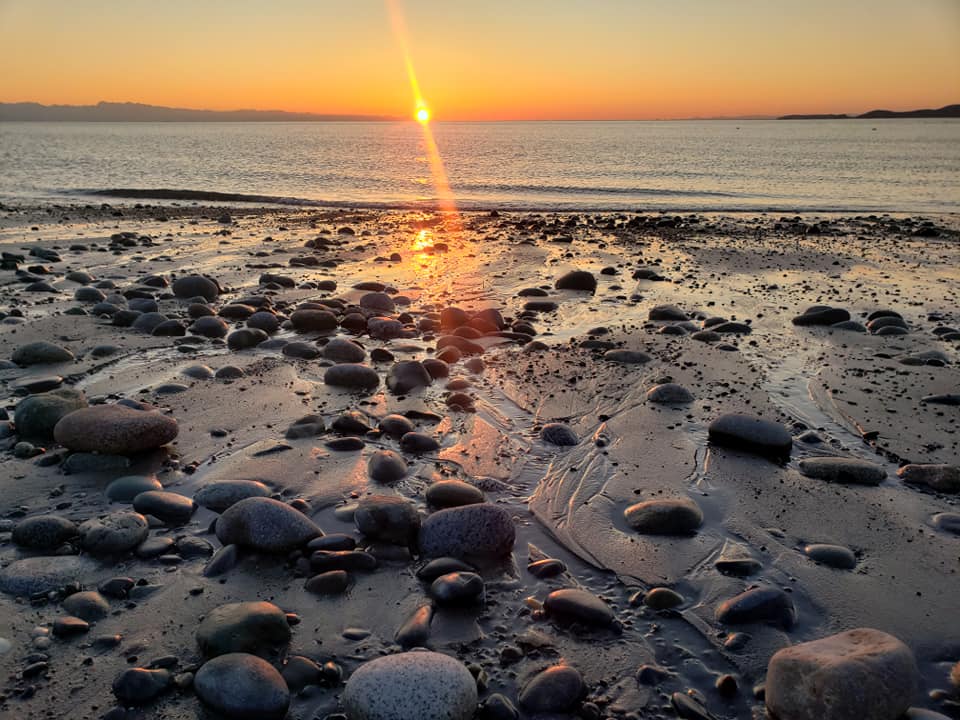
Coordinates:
[423,115]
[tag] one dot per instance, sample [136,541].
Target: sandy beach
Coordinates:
[591,381]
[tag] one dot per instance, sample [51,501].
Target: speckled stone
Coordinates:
[243,687]
[265,524]
[482,530]
[416,685]
[114,430]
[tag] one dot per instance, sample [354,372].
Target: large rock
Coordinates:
[416,685]
[855,675]
[37,415]
[193,286]
[481,530]
[41,353]
[843,470]
[249,627]
[242,687]
[407,376]
[34,575]
[114,430]
[265,524]
[753,434]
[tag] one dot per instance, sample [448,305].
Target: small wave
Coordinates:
[638,192]
[199,195]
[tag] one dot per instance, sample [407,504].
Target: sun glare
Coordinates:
[423,115]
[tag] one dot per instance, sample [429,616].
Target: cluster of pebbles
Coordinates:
[139,528]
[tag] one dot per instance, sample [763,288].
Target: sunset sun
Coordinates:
[423,115]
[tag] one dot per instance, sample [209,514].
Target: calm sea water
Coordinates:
[852,165]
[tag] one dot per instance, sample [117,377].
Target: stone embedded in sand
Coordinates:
[138,686]
[575,605]
[664,516]
[126,488]
[114,430]
[384,328]
[385,466]
[113,534]
[462,344]
[219,496]
[577,280]
[843,470]
[264,320]
[395,426]
[31,576]
[452,493]
[407,376]
[667,313]
[342,350]
[669,394]
[559,434]
[168,507]
[415,685]
[248,627]
[389,518]
[942,478]
[627,357]
[858,674]
[40,353]
[301,350]
[332,582]
[148,321]
[418,442]
[768,605]
[43,532]
[352,376]
[731,327]
[309,320]
[835,556]
[821,315]
[243,686]
[37,415]
[947,521]
[265,524]
[752,434]
[193,286]
[88,605]
[482,530]
[554,690]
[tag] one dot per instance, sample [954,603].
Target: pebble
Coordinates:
[843,470]
[821,315]
[87,605]
[858,674]
[662,598]
[835,556]
[417,442]
[43,532]
[41,353]
[751,434]
[556,689]
[219,496]
[408,375]
[115,430]
[242,686]
[126,488]
[457,587]
[664,516]
[169,507]
[577,280]
[482,530]
[576,605]
[415,630]
[389,518]
[768,605]
[37,415]
[31,576]
[942,478]
[193,286]
[138,686]
[332,582]
[415,685]
[265,524]
[667,313]
[452,493]
[386,466]
[244,627]
[342,350]
[246,338]
[352,376]
[669,394]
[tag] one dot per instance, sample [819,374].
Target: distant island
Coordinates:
[947,111]
[138,112]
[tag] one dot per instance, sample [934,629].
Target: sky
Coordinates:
[487,59]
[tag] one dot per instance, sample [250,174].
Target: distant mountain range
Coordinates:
[138,112]
[947,111]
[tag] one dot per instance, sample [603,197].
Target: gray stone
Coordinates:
[669,394]
[242,687]
[40,353]
[113,534]
[221,495]
[44,532]
[559,434]
[452,493]
[407,376]
[126,488]
[417,442]
[627,357]
[854,675]
[265,524]
[115,430]
[457,587]
[31,576]
[835,556]
[193,286]
[385,466]
[664,516]
[37,415]
[342,350]
[577,280]
[88,605]
[352,376]
[247,627]
[245,338]
[843,470]
[768,605]
[209,326]
[667,313]
[389,518]
[416,685]
[138,686]
[752,434]
[554,690]
[942,478]
[576,605]
[169,507]
[481,530]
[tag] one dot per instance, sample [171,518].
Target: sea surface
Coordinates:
[910,166]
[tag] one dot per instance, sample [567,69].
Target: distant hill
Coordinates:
[138,112]
[947,111]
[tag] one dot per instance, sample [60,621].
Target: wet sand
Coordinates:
[840,393]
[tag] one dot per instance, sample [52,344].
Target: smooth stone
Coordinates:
[80,462]
[406,376]
[835,556]
[209,326]
[768,605]
[300,671]
[843,470]
[662,599]
[664,516]
[309,320]
[326,560]
[395,426]
[168,507]
[247,627]
[415,685]
[41,353]
[126,488]
[821,315]
[415,630]
[193,547]
[263,320]
[457,587]
[113,534]
[346,444]
[242,687]
[576,605]
[442,566]
[114,430]
[43,532]
[379,301]
[452,493]
[154,547]
[222,560]
[942,478]
[332,582]
[138,686]
[333,541]
[389,518]
[546,568]
[385,466]
[193,286]
[221,495]
[482,530]
[246,338]
[88,605]
[554,690]
[198,372]
[68,626]
[577,280]
[558,434]
[947,521]
[667,313]
[751,434]
[265,524]
[31,576]
[669,394]
[37,415]
[342,350]
[854,675]
[417,442]
[627,357]
[352,376]
[301,350]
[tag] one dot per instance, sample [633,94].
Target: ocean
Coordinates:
[863,166]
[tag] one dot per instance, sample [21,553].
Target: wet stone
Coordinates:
[89,605]
[43,532]
[115,430]
[665,516]
[554,690]
[265,524]
[113,534]
[768,605]
[843,470]
[669,394]
[752,434]
[580,606]
[457,587]
[248,627]
[332,582]
[139,686]
[482,530]
[242,686]
[221,495]
[835,556]
[388,518]
[452,493]
[559,434]
[126,488]
[169,507]
[417,442]
[386,467]
[352,376]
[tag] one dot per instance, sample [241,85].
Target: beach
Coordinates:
[594,378]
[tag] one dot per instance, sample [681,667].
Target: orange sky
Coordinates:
[496,59]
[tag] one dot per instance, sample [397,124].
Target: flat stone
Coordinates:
[168,507]
[43,532]
[41,353]
[31,576]
[848,471]
[942,478]
[221,495]
[126,488]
